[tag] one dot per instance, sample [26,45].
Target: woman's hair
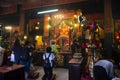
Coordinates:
[17,42]
[48,49]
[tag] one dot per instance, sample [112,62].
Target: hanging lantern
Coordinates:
[117,37]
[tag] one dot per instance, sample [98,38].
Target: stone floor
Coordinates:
[61,73]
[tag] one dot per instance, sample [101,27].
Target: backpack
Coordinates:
[46,62]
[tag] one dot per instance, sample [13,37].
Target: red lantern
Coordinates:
[117,37]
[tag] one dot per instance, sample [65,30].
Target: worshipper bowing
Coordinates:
[103,68]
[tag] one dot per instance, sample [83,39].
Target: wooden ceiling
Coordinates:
[8,3]
[32,6]
[9,8]
[6,6]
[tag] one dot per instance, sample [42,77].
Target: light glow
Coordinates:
[36,37]
[8,27]
[36,27]
[47,11]
[25,37]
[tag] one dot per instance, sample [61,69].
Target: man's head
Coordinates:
[98,56]
[48,49]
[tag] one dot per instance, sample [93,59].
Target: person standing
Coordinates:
[17,51]
[74,47]
[48,70]
[84,54]
[54,48]
[27,55]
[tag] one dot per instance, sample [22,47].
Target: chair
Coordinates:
[100,73]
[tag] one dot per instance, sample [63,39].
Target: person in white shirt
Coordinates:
[48,70]
[12,59]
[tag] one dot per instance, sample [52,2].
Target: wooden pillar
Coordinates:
[47,28]
[22,20]
[109,28]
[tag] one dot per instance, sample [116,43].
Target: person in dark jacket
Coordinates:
[17,50]
[27,60]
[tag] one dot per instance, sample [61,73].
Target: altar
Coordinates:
[62,58]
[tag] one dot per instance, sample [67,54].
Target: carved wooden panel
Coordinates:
[41,3]
[8,10]
[31,4]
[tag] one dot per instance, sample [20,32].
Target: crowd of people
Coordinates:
[19,52]
[22,54]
